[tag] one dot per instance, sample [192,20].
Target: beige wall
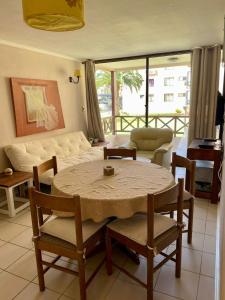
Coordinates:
[15,62]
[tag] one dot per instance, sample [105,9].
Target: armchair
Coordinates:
[154,144]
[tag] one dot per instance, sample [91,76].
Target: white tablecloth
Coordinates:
[120,195]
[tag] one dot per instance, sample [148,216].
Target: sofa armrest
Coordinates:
[162,155]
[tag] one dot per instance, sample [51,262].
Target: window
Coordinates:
[168,97]
[189,78]
[181,95]
[182,78]
[151,98]
[168,81]
[153,72]
[151,82]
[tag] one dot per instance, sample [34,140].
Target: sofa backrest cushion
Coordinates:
[24,156]
[149,139]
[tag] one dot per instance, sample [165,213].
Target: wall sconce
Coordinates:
[75,78]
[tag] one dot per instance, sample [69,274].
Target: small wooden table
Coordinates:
[195,152]
[8,183]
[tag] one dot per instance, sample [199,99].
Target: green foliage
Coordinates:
[131,79]
[178,111]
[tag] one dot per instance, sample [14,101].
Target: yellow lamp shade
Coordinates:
[77,73]
[52,15]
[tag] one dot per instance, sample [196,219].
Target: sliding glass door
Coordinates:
[146,92]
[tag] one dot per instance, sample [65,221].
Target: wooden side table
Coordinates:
[213,154]
[8,183]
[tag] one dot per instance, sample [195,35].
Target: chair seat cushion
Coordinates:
[186,196]
[172,206]
[135,228]
[64,228]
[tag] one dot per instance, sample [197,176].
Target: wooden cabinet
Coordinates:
[214,154]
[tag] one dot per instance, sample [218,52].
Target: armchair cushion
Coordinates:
[149,139]
[153,143]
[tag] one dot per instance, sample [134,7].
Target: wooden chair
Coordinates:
[148,234]
[190,167]
[67,237]
[50,164]
[117,153]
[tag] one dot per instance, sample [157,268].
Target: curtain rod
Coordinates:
[99,61]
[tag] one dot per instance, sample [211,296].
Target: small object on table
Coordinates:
[99,144]
[8,171]
[108,171]
[91,140]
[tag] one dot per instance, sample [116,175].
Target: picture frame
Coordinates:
[37,106]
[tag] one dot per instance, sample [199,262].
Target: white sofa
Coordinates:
[70,149]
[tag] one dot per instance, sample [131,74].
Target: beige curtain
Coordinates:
[204,86]
[93,114]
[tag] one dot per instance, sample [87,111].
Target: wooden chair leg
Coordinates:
[150,273]
[171,214]
[190,221]
[82,282]
[108,242]
[40,269]
[178,255]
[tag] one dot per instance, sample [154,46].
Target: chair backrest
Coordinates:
[161,199]
[39,201]
[149,139]
[119,152]
[42,168]
[190,167]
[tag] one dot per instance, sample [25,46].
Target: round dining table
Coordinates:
[120,195]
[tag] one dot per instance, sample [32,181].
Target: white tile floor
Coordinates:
[18,278]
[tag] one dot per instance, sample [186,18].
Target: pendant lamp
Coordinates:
[54,15]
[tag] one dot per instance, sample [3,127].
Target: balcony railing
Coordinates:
[124,124]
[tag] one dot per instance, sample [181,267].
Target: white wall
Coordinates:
[15,62]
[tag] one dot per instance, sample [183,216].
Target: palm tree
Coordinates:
[131,79]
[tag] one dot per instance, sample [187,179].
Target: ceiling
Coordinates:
[122,28]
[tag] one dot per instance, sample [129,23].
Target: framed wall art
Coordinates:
[37,106]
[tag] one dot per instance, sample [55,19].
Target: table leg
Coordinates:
[10,202]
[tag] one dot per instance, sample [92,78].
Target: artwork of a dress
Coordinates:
[37,107]
[39,104]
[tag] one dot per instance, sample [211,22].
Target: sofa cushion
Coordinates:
[149,139]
